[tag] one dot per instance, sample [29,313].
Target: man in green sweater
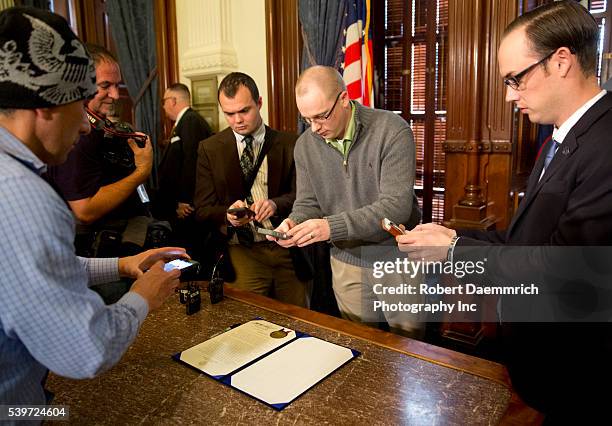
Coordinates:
[355,166]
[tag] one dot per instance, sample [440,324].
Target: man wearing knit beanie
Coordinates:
[49,318]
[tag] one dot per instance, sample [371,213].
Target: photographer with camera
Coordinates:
[101,178]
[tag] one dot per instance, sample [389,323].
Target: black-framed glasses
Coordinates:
[166,98]
[321,117]
[515,81]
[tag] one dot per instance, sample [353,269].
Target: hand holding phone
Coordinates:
[240,212]
[181,264]
[272,233]
[391,227]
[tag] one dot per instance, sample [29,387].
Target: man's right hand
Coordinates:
[183,210]
[235,220]
[284,227]
[156,285]
[143,157]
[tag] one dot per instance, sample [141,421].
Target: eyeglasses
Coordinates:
[165,99]
[515,81]
[321,117]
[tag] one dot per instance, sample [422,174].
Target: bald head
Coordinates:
[326,80]
[323,102]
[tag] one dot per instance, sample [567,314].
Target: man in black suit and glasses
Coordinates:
[174,200]
[547,58]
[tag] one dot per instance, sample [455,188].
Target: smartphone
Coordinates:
[272,233]
[391,227]
[241,212]
[182,264]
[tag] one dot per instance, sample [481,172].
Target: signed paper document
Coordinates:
[239,346]
[292,370]
[267,361]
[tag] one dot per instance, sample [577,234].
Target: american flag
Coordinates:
[357,48]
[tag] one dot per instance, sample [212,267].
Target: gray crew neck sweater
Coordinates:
[376,182]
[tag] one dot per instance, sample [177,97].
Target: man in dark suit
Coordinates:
[547,58]
[250,165]
[174,201]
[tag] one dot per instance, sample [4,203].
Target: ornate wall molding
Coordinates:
[208,61]
[483,146]
[208,45]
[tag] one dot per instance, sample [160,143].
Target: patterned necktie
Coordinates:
[247,164]
[551,153]
[247,159]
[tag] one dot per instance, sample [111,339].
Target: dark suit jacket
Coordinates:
[556,367]
[219,179]
[178,166]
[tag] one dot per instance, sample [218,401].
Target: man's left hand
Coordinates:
[135,266]
[310,231]
[264,209]
[183,210]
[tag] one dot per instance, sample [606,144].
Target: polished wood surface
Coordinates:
[396,380]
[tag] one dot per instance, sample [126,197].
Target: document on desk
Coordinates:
[225,353]
[266,361]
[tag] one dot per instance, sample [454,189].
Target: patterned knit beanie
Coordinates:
[42,62]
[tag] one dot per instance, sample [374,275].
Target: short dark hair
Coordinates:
[230,84]
[561,24]
[180,88]
[100,54]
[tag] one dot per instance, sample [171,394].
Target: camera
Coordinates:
[116,149]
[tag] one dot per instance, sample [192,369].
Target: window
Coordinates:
[413,35]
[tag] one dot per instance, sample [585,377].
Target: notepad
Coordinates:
[266,361]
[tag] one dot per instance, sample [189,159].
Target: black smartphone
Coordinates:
[183,264]
[391,227]
[272,233]
[190,269]
[241,212]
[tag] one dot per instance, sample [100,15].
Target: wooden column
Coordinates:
[479,130]
[479,127]
[167,52]
[284,45]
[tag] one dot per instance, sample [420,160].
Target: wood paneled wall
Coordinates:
[167,51]
[284,45]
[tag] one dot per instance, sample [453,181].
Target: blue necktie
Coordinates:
[551,152]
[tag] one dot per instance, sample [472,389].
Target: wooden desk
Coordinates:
[395,381]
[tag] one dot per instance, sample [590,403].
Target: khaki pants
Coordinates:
[267,269]
[353,290]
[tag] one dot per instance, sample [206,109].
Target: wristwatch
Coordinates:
[451,248]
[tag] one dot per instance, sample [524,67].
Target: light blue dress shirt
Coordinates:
[49,318]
